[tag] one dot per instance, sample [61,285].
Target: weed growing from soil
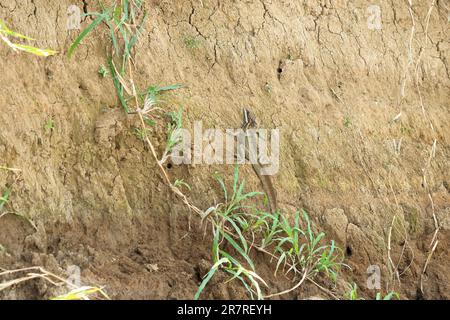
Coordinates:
[390,296]
[102,71]
[352,294]
[180,182]
[140,133]
[174,133]
[191,42]
[300,248]
[125,21]
[230,248]
[150,97]
[3,250]
[238,226]
[49,125]
[4,198]
[347,122]
[5,33]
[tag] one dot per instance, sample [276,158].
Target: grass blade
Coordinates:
[118,86]
[85,32]
[208,277]
[80,294]
[4,198]
[239,250]
[9,32]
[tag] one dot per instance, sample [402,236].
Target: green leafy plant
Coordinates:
[140,133]
[391,295]
[3,250]
[347,122]
[230,248]
[300,250]
[151,96]
[297,250]
[4,198]
[49,125]
[125,23]
[100,17]
[180,182]
[191,42]
[174,133]
[148,121]
[102,71]
[173,128]
[352,293]
[5,33]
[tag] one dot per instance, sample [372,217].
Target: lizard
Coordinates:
[248,122]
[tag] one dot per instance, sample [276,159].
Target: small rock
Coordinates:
[152,267]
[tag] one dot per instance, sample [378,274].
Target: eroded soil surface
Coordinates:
[365,142]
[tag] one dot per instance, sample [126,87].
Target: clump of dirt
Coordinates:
[362,106]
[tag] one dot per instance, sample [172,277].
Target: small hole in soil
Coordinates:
[279,70]
[197,274]
[169,166]
[348,251]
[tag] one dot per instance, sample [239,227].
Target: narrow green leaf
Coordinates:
[235,179]
[4,198]
[118,86]
[9,32]
[280,260]
[36,51]
[136,36]
[239,250]
[168,88]
[238,231]
[215,245]
[208,277]
[222,184]
[84,33]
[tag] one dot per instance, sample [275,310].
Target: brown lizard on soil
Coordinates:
[248,122]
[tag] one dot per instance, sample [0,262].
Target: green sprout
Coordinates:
[102,71]
[49,125]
